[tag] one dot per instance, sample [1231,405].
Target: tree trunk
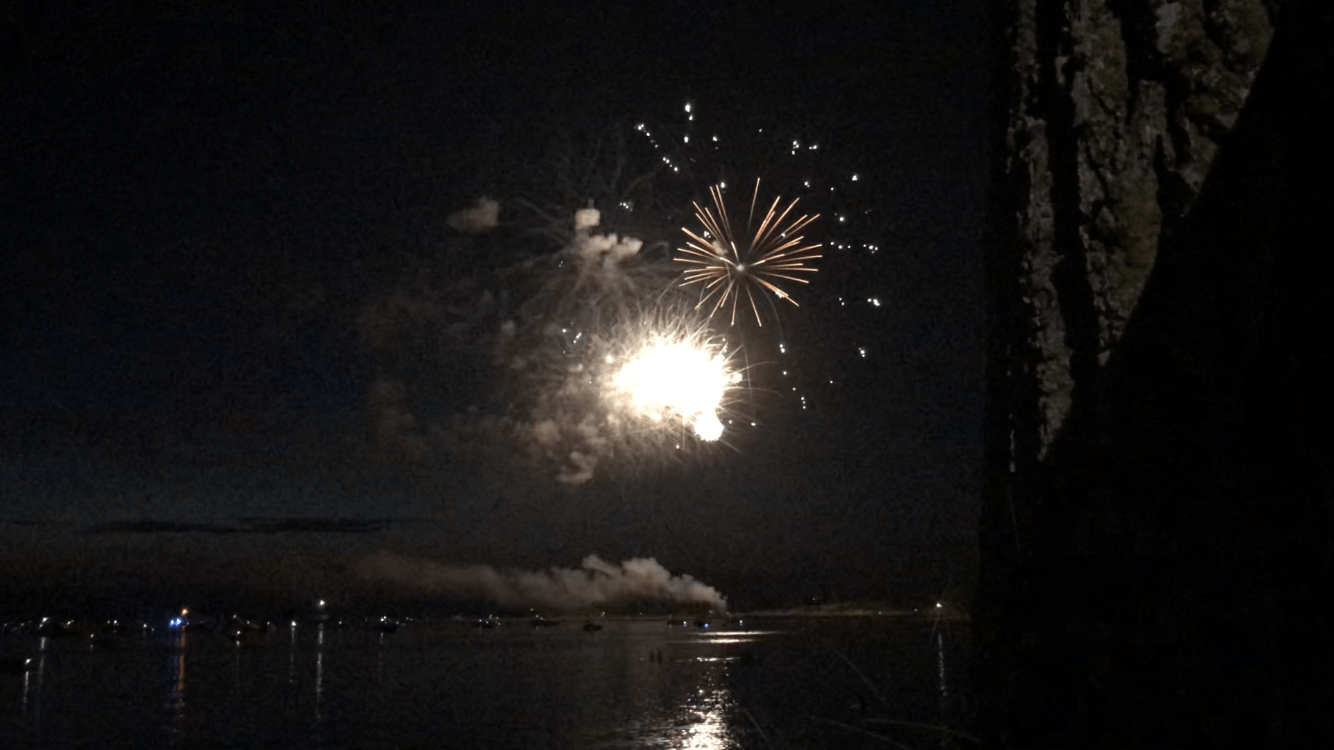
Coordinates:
[1156,522]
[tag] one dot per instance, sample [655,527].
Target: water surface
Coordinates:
[780,682]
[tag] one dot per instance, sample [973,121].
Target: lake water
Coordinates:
[763,682]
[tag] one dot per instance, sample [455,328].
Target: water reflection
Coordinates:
[734,636]
[291,655]
[174,703]
[43,645]
[379,660]
[633,684]
[707,712]
[319,670]
[940,670]
[710,730]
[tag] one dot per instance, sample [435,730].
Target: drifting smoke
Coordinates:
[596,581]
[484,217]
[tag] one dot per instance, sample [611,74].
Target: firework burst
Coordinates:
[669,378]
[727,270]
[647,386]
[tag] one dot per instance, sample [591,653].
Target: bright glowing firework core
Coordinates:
[677,378]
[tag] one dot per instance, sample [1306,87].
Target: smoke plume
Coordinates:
[596,581]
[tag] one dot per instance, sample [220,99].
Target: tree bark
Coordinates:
[1157,507]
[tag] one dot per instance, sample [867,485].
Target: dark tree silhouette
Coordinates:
[1156,524]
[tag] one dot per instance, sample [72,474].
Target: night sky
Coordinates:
[200,208]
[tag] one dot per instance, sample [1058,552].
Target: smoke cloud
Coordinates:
[484,217]
[596,581]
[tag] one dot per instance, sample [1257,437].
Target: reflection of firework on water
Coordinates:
[727,270]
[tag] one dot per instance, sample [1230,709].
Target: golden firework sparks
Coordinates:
[727,270]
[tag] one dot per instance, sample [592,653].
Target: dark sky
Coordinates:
[199,205]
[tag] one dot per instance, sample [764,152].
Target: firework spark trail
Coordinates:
[727,270]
